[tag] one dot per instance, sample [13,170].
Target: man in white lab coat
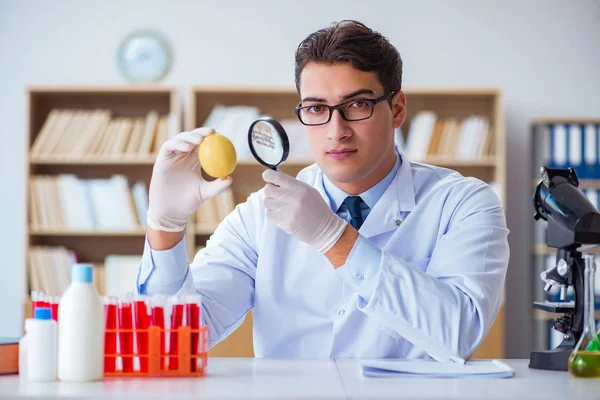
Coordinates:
[363,254]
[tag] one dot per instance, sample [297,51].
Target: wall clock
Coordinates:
[144,57]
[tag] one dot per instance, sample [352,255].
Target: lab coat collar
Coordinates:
[386,215]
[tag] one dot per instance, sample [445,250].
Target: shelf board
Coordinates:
[452,91]
[541,315]
[245,89]
[542,249]
[489,161]
[90,160]
[60,232]
[250,89]
[108,89]
[589,183]
[205,228]
[566,120]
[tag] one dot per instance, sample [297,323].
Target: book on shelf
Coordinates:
[50,268]
[215,209]
[65,202]
[564,145]
[9,355]
[468,139]
[50,271]
[120,274]
[73,134]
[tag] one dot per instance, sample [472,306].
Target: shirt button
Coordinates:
[360,277]
[341,312]
[398,222]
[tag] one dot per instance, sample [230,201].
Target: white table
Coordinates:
[239,378]
[525,384]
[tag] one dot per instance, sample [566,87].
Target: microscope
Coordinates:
[572,222]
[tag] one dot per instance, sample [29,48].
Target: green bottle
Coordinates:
[584,361]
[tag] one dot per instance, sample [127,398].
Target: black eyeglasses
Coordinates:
[351,110]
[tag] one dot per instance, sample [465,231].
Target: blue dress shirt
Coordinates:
[370,197]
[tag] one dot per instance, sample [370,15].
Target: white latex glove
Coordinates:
[177,187]
[299,210]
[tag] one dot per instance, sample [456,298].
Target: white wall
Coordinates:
[545,55]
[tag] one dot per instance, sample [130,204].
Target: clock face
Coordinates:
[144,56]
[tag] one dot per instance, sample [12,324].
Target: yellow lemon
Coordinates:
[217,156]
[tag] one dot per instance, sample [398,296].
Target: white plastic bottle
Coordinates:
[23,351]
[41,347]
[81,329]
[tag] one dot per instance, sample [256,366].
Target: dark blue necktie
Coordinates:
[353,203]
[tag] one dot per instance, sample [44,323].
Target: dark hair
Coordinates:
[352,42]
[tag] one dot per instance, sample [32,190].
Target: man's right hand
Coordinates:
[177,187]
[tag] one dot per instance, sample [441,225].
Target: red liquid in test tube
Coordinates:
[141,324]
[192,314]
[158,319]
[126,336]
[176,322]
[110,338]
[54,306]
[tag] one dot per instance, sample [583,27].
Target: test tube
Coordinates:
[44,300]
[54,305]
[126,333]
[158,319]
[110,334]
[35,299]
[141,324]
[176,322]
[192,316]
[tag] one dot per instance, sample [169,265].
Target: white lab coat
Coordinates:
[424,279]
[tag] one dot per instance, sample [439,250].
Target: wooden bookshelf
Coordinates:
[204,228]
[93,160]
[541,315]
[279,103]
[542,249]
[123,101]
[42,232]
[136,101]
[566,120]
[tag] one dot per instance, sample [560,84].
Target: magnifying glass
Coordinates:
[268,142]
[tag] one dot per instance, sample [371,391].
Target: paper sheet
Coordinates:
[433,369]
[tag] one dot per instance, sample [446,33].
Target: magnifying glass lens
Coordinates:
[268,142]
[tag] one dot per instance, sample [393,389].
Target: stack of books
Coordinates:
[65,202]
[467,139]
[71,134]
[50,271]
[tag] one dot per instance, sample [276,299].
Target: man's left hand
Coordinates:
[299,210]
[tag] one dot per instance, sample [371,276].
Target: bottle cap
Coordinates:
[43,313]
[83,273]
